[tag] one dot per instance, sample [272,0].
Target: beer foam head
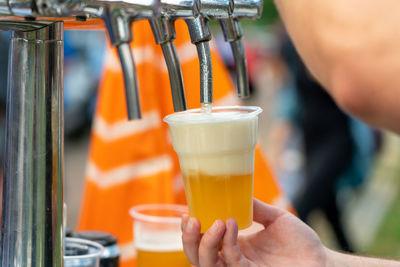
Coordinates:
[220,142]
[159,241]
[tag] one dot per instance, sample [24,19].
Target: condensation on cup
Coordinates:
[216,156]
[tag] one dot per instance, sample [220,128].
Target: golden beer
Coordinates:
[223,196]
[167,258]
[216,156]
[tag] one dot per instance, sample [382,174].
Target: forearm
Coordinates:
[352,48]
[336,259]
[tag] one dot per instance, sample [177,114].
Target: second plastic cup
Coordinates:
[158,235]
[81,253]
[216,155]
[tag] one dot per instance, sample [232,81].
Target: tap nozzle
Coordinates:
[164,34]
[119,29]
[200,36]
[233,34]
[118,17]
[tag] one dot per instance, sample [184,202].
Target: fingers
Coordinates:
[191,239]
[230,248]
[209,245]
[264,213]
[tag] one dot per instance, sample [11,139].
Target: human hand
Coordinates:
[285,241]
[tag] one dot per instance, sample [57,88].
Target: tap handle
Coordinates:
[164,34]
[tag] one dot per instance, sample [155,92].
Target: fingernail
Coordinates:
[190,225]
[214,227]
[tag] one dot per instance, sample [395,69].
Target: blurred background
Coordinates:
[342,176]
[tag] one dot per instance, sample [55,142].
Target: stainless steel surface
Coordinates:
[21,7]
[120,32]
[242,79]
[31,229]
[118,25]
[198,29]
[216,9]
[250,9]
[233,34]
[118,17]
[180,8]
[4,8]
[163,29]
[231,29]
[200,36]
[164,34]
[206,75]
[130,81]
[175,76]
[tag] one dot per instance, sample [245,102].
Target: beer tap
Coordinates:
[233,34]
[200,36]
[119,29]
[31,224]
[118,21]
[164,34]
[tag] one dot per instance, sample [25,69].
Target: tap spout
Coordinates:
[175,76]
[233,34]
[200,36]
[119,29]
[164,34]
[130,81]
[206,73]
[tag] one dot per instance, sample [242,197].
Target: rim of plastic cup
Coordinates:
[85,242]
[135,212]
[251,112]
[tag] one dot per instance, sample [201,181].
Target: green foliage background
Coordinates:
[270,13]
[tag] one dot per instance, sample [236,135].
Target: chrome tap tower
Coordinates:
[32,201]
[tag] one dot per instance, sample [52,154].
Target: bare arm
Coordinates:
[353,48]
[336,259]
[284,241]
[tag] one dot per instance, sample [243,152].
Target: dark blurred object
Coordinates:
[69,233]
[332,154]
[4,36]
[83,65]
[111,253]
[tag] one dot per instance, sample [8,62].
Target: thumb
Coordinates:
[264,213]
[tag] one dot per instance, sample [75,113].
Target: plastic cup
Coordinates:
[216,156]
[81,253]
[158,236]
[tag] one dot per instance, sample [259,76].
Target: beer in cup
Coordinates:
[157,235]
[216,156]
